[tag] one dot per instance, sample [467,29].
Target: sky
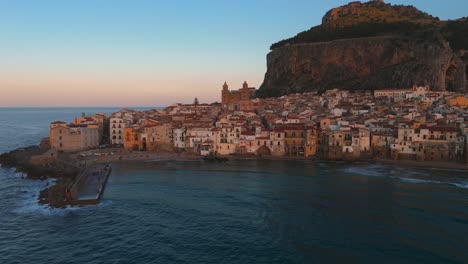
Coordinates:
[149,52]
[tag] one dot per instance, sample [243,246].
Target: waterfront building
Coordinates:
[226,139]
[132,136]
[312,136]
[160,137]
[196,136]
[179,138]
[294,139]
[73,137]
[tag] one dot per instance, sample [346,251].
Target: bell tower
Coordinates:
[245,95]
[225,94]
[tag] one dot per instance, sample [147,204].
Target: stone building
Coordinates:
[238,99]
[132,136]
[73,137]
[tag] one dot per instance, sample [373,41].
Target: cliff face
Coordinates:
[354,50]
[365,63]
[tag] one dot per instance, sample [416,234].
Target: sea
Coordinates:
[242,211]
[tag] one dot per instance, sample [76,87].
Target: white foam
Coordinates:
[463,185]
[371,170]
[382,171]
[27,202]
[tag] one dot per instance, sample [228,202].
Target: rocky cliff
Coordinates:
[353,49]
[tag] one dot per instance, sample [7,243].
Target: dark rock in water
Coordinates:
[54,195]
[215,158]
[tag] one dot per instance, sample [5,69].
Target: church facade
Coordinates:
[238,99]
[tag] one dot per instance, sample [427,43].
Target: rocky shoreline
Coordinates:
[67,167]
[64,174]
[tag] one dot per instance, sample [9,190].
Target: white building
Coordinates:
[418,92]
[196,136]
[179,137]
[116,127]
[392,93]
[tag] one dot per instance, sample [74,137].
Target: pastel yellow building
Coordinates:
[460,101]
[73,137]
[131,138]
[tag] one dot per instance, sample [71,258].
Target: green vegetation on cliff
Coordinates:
[456,32]
[375,18]
[364,30]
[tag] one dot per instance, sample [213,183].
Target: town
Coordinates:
[396,124]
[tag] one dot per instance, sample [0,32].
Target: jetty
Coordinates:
[88,188]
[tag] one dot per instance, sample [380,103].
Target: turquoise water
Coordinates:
[238,212]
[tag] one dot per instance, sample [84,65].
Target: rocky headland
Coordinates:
[62,170]
[370,45]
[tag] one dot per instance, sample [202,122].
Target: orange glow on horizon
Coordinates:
[43,90]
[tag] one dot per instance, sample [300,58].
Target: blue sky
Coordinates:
[149,52]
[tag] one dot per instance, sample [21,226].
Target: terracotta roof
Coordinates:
[441,128]
[78,125]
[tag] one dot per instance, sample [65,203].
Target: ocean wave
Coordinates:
[385,172]
[370,170]
[27,200]
[463,185]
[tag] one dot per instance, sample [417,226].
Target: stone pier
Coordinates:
[88,187]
